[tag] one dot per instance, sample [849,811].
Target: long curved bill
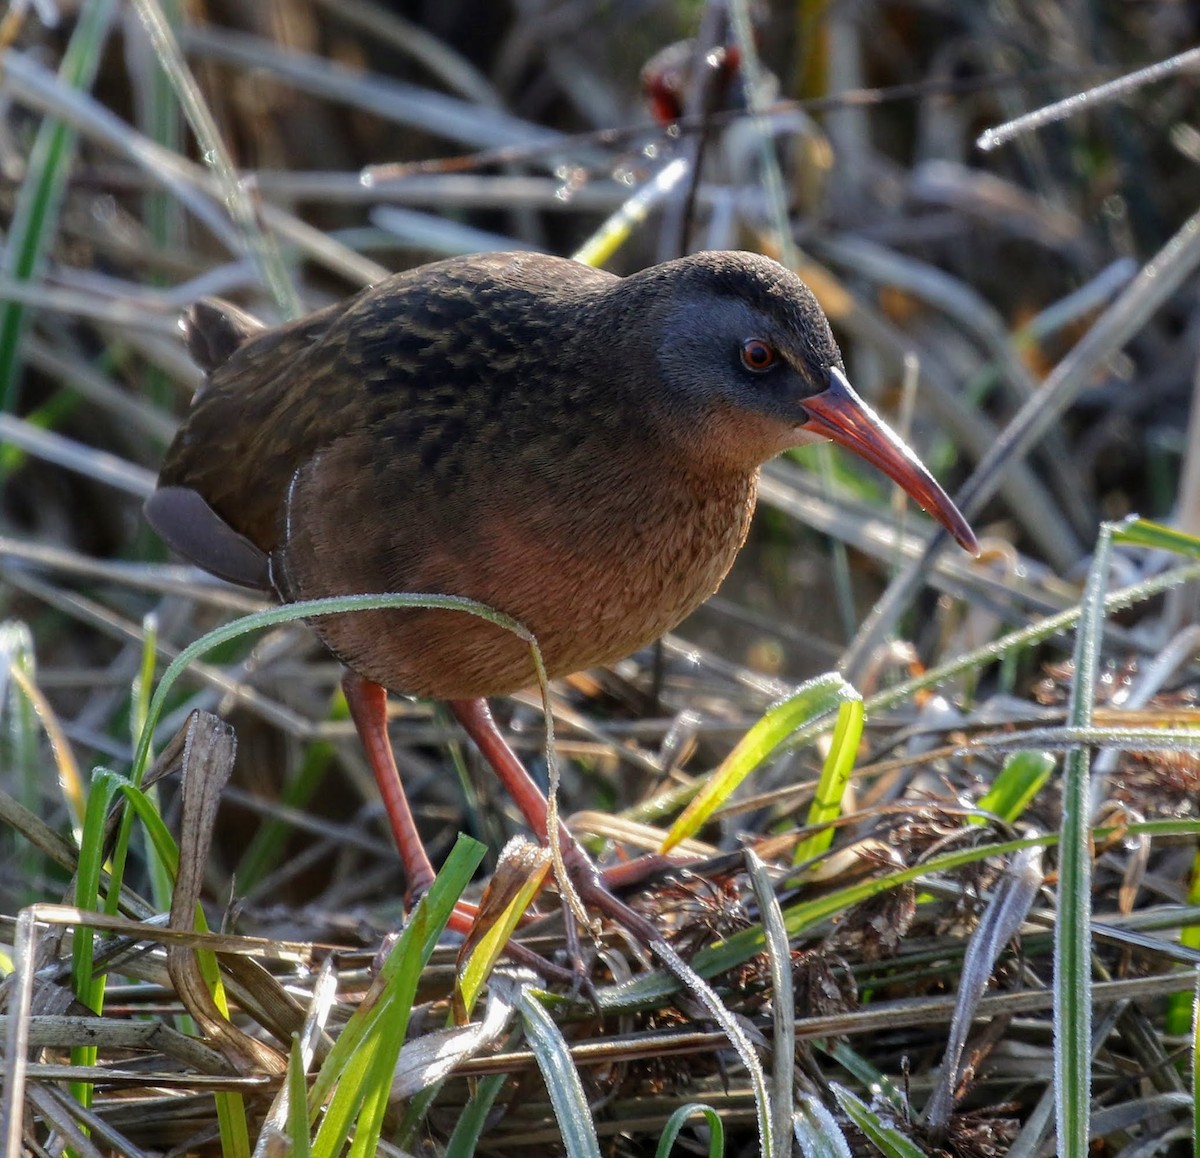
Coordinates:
[838,413]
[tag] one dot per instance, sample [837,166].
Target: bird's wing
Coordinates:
[191,528]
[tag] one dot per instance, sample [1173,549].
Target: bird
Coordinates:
[578,450]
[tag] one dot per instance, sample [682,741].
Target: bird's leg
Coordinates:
[591,886]
[368,709]
[476,719]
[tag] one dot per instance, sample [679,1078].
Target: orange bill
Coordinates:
[842,416]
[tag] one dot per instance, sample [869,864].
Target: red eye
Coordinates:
[758,355]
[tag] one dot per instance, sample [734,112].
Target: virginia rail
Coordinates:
[578,450]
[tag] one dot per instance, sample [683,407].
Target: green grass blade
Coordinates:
[162,875]
[309,609]
[884,1092]
[1073,929]
[157,833]
[567,1098]
[358,1070]
[233,1124]
[491,944]
[884,1137]
[835,775]
[1144,533]
[1181,1010]
[790,719]
[39,201]
[464,1141]
[297,1103]
[1020,780]
[89,989]
[677,1121]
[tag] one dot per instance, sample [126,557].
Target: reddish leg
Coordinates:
[476,718]
[592,888]
[368,709]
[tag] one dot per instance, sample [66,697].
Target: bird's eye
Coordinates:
[758,355]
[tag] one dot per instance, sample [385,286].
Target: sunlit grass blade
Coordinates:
[1022,777]
[297,1115]
[616,230]
[786,720]
[490,944]
[835,775]
[358,1069]
[143,683]
[1144,533]
[816,1130]
[1181,1012]
[1073,928]
[233,1124]
[105,786]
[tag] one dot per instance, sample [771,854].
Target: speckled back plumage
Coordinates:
[496,427]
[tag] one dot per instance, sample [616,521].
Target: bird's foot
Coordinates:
[596,894]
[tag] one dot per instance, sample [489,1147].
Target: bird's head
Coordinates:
[751,368]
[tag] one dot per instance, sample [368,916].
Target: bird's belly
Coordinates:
[586,603]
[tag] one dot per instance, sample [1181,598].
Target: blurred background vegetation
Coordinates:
[369,136]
